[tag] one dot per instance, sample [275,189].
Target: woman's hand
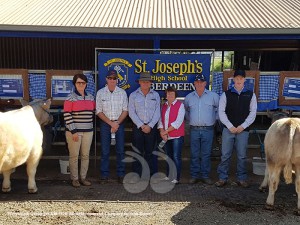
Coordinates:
[75,137]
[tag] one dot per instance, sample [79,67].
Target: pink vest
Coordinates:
[172,117]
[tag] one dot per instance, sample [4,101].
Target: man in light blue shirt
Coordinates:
[144,110]
[201,111]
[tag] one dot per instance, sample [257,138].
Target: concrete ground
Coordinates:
[182,204]
[49,173]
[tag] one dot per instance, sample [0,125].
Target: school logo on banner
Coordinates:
[121,66]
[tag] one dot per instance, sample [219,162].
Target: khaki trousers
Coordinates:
[82,146]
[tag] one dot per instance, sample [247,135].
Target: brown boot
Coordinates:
[75,183]
[85,182]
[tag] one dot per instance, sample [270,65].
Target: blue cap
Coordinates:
[200,77]
[239,73]
[112,73]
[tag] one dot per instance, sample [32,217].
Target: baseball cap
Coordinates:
[112,73]
[200,77]
[239,73]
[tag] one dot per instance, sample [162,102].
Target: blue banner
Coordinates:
[291,87]
[61,88]
[11,86]
[167,70]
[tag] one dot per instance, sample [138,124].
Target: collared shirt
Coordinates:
[177,123]
[201,110]
[112,104]
[144,109]
[249,120]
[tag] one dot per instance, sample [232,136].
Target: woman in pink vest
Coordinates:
[171,126]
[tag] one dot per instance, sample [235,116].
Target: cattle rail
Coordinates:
[128,144]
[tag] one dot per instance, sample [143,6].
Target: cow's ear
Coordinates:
[47,103]
[24,102]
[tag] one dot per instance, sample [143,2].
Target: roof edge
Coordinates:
[158,31]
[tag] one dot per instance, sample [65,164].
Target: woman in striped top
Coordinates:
[78,115]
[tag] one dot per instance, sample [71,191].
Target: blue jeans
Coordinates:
[105,136]
[146,144]
[173,149]
[201,145]
[240,142]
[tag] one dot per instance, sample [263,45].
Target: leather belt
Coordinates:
[202,127]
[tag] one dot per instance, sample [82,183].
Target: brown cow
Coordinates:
[282,148]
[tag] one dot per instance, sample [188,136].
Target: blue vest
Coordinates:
[238,106]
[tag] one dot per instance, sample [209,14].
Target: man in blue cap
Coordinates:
[112,109]
[237,111]
[201,111]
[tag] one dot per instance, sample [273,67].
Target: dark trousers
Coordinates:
[146,144]
[105,135]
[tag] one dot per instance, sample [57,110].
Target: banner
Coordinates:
[167,70]
[291,87]
[11,86]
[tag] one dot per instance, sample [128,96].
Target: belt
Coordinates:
[202,127]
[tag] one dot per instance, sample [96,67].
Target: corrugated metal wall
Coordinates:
[58,53]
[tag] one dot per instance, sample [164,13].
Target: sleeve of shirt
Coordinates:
[180,117]
[252,115]
[160,125]
[125,102]
[131,111]
[156,114]
[186,107]
[223,117]
[217,100]
[99,106]
[69,123]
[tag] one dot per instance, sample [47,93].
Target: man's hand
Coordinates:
[239,129]
[233,130]
[146,129]
[114,126]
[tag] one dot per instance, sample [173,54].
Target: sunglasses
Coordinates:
[112,78]
[80,83]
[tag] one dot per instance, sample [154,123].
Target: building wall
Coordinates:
[58,53]
[79,54]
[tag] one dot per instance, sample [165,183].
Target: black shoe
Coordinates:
[243,184]
[120,180]
[193,180]
[206,181]
[221,183]
[103,180]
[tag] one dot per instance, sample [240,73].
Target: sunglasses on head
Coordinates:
[112,78]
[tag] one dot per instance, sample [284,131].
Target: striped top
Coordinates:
[79,112]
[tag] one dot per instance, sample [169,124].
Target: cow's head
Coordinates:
[41,110]
[278,114]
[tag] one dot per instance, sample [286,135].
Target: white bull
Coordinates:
[21,140]
[282,148]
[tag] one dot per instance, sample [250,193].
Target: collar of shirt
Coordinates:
[77,93]
[114,91]
[151,91]
[233,89]
[204,92]
[173,103]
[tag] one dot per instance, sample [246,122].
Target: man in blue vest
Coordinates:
[237,111]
